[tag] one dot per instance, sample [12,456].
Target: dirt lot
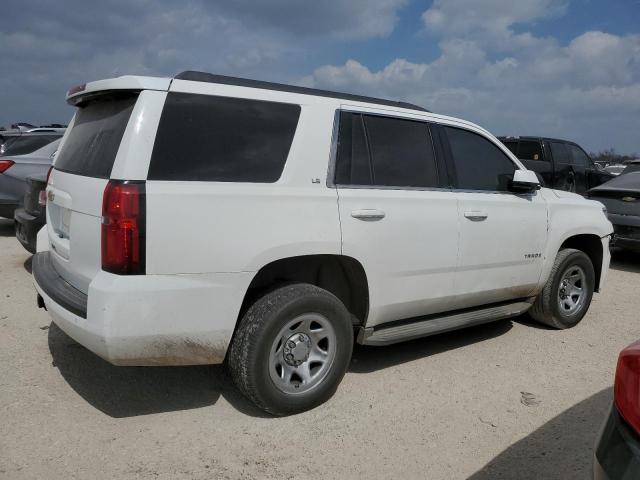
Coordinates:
[445,407]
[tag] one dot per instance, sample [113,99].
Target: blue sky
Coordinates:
[563,68]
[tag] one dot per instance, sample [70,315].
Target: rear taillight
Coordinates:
[627,385]
[42,195]
[5,164]
[123,227]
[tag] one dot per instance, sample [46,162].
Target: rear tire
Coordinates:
[291,349]
[566,296]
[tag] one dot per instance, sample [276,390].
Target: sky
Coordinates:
[562,68]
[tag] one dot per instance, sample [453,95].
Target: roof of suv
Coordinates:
[281,87]
[78,93]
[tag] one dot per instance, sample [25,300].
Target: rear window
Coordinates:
[26,144]
[220,139]
[92,145]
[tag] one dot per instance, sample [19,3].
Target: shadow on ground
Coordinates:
[368,359]
[625,260]
[6,227]
[131,391]
[561,449]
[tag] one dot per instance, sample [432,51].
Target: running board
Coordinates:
[432,324]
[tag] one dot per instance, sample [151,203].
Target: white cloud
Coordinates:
[513,83]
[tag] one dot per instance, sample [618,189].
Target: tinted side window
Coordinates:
[561,153]
[222,139]
[352,162]
[384,151]
[578,156]
[479,164]
[530,150]
[401,152]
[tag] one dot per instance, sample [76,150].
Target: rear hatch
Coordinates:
[81,172]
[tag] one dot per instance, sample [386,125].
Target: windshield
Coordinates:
[26,144]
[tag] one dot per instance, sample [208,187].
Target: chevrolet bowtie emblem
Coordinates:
[628,199]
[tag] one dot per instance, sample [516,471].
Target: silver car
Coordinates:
[14,171]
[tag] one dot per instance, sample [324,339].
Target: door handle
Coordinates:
[368,214]
[476,216]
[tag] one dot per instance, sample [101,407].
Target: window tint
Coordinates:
[561,153]
[222,139]
[26,144]
[578,156]
[94,140]
[393,152]
[352,163]
[401,152]
[479,164]
[512,145]
[530,150]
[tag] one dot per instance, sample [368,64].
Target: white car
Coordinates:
[202,219]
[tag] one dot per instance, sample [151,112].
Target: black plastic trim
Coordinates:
[56,287]
[280,87]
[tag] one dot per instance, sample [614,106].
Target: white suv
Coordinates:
[202,219]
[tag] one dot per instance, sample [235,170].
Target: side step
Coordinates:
[432,324]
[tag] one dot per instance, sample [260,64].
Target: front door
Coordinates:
[502,234]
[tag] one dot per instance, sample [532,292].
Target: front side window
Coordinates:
[479,164]
[222,139]
[561,153]
[578,156]
[385,151]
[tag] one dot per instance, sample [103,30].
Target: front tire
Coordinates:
[566,296]
[291,349]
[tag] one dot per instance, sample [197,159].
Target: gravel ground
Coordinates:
[446,407]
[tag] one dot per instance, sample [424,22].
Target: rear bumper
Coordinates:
[27,227]
[617,455]
[147,319]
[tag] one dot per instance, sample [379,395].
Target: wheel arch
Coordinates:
[591,245]
[341,275]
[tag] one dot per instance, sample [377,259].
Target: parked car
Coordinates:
[14,171]
[621,197]
[26,143]
[561,164]
[32,216]
[288,221]
[617,454]
[615,169]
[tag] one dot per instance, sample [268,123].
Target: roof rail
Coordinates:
[281,87]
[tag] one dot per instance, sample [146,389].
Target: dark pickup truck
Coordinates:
[560,164]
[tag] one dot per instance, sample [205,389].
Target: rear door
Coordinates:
[398,216]
[83,166]
[502,234]
[564,175]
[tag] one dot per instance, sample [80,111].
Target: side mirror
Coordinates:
[524,181]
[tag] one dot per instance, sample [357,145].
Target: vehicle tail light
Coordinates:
[123,227]
[627,385]
[49,175]
[5,164]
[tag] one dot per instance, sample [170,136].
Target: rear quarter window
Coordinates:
[221,139]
